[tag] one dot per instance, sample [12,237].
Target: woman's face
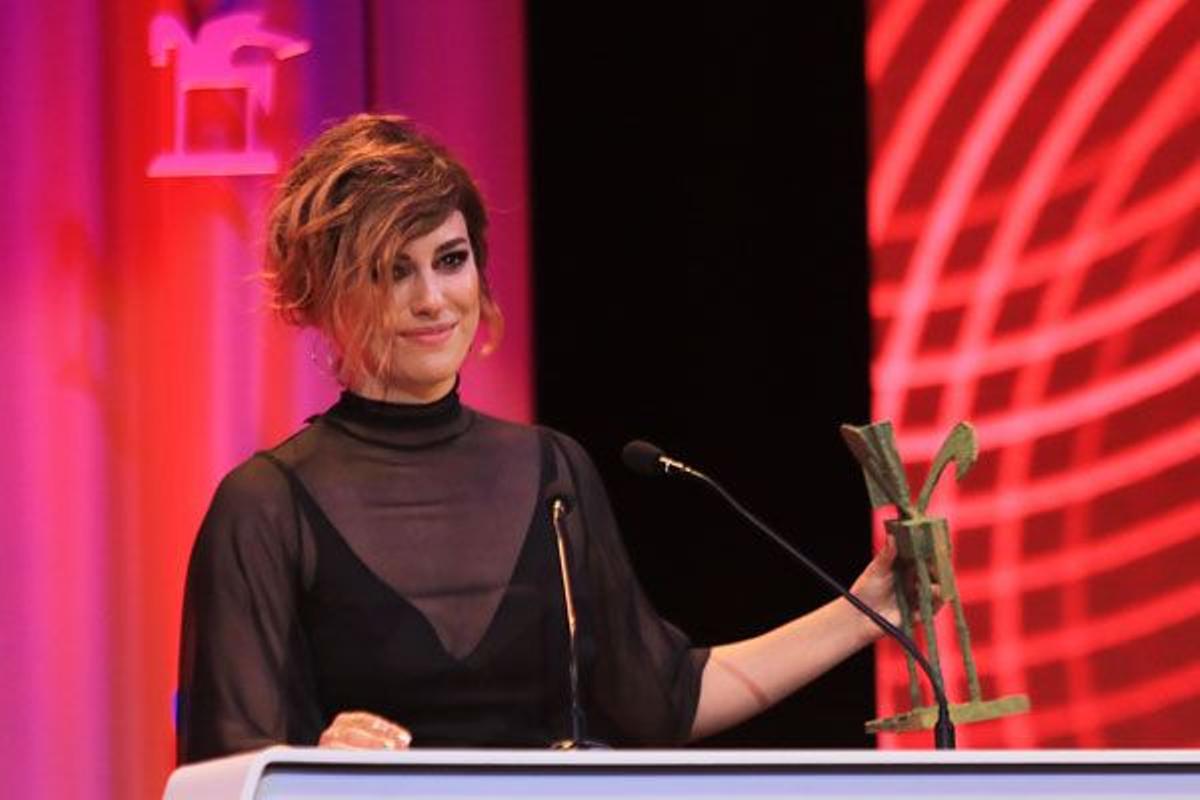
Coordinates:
[432,318]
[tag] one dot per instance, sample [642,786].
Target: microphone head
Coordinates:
[643,458]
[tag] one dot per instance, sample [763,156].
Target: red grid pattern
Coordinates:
[1035,224]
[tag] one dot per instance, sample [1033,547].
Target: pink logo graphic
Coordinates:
[209,62]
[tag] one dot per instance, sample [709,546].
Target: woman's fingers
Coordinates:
[348,738]
[935,596]
[938,601]
[884,560]
[353,738]
[887,554]
[359,730]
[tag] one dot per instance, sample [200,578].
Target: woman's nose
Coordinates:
[427,294]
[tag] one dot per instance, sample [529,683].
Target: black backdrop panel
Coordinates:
[700,267]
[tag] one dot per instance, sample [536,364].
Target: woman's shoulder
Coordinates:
[500,429]
[258,486]
[490,426]
[575,453]
[252,527]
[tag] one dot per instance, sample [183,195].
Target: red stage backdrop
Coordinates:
[1035,224]
[140,141]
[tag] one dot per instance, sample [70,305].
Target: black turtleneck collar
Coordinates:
[400,424]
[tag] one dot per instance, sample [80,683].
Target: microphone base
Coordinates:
[579,744]
[943,735]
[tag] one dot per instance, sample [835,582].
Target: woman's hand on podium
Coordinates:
[359,730]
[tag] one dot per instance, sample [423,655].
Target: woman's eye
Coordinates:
[454,259]
[399,272]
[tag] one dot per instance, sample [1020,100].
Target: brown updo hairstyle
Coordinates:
[352,202]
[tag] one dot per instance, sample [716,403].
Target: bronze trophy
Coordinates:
[923,557]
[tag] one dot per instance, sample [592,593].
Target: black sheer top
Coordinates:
[400,560]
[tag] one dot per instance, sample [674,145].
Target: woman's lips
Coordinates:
[430,334]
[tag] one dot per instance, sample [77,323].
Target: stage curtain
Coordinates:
[141,361]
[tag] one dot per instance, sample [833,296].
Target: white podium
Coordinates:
[304,772]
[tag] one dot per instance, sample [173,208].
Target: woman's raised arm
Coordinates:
[744,678]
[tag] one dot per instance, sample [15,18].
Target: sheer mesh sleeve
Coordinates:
[245,674]
[644,677]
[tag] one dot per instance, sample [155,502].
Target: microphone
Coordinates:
[559,507]
[649,460]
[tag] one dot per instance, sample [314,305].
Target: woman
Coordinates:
[388,574]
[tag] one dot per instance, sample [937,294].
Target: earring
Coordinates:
[321,354]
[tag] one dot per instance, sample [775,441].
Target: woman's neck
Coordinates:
[373,389]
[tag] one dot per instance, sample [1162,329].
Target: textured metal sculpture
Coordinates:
[923,558]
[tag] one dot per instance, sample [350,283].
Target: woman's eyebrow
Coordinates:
[460,240]
[450,244]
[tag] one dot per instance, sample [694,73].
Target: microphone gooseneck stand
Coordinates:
[578,739]
[649,460]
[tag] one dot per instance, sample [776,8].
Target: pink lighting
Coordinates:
[1136,222]
[143,363]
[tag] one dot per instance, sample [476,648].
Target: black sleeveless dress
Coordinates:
[400,560]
